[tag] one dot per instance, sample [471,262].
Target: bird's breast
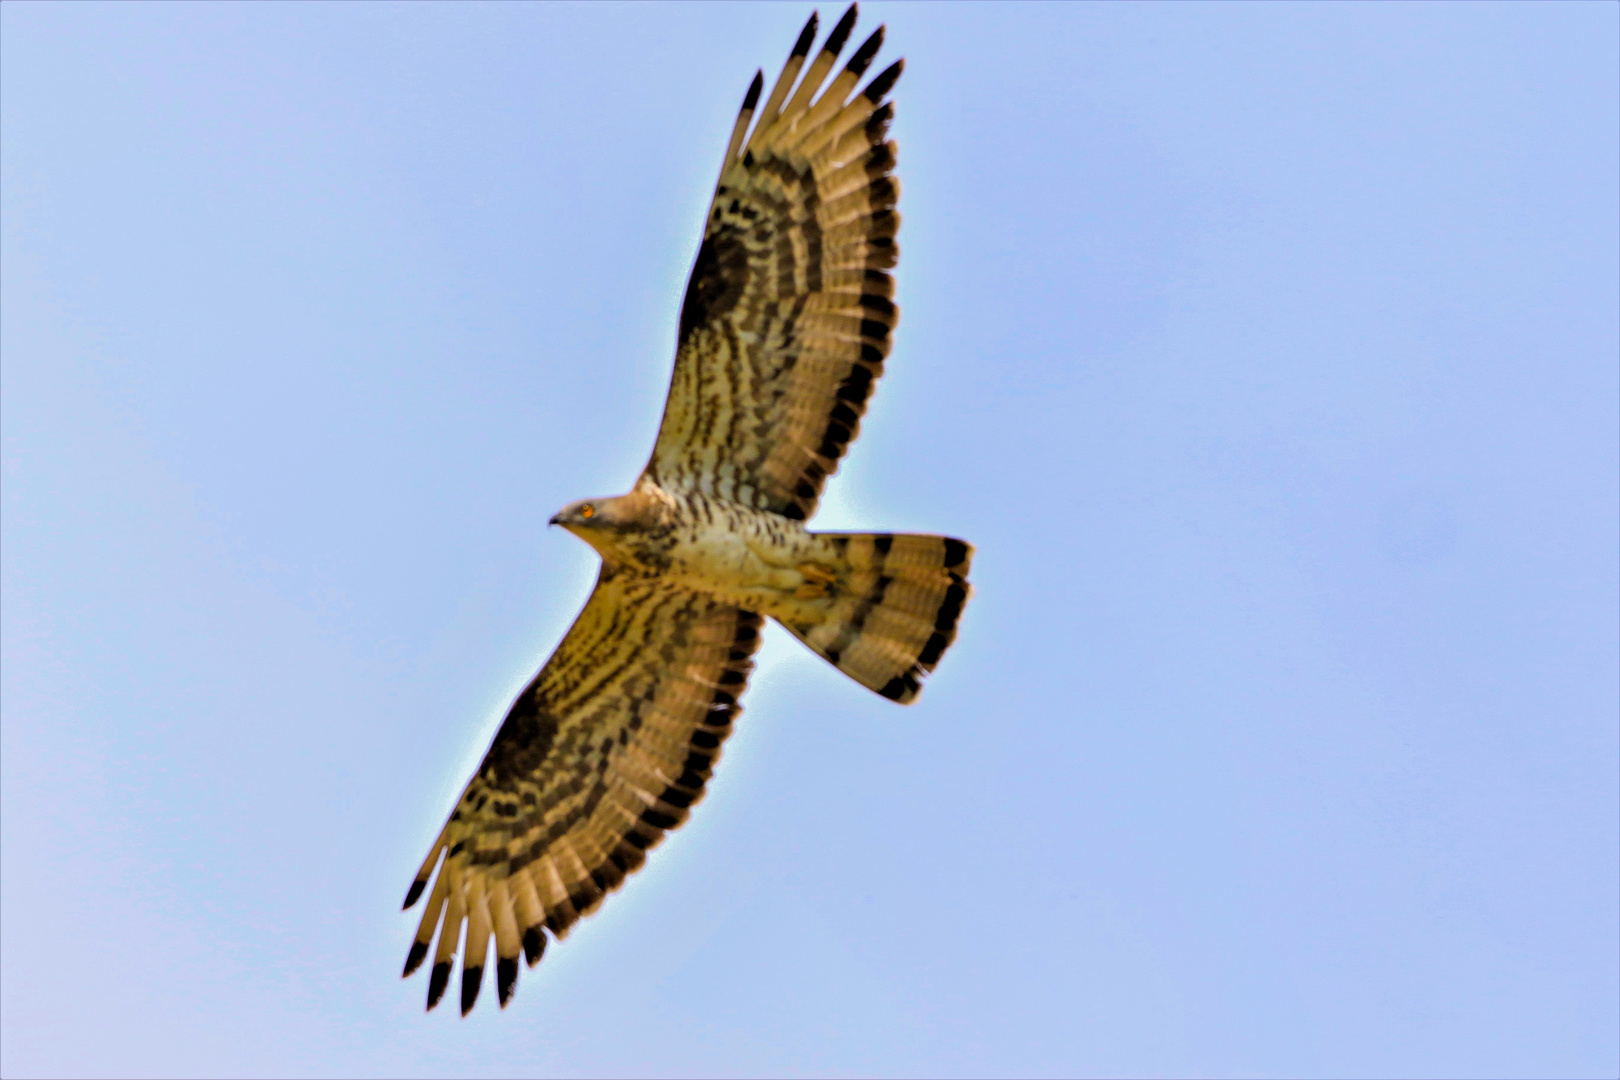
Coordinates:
[747,557]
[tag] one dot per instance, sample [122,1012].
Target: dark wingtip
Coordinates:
[901,688]
[414,895]
[472,980]
[863,55]
[437,982]
[506,973]
[885,81]
[534,945]
[806,36]
[748,103]
[414,960]
[840,34]
[877,125]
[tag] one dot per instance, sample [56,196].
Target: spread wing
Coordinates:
[788,311]
[601,754]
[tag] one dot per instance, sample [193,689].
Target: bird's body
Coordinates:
[752,559]
[783,333]
[824,587]
[711,545]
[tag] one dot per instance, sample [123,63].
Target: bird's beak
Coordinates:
[556,519]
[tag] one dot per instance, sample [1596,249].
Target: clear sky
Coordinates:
[1268,353]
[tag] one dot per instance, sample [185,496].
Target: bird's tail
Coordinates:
[891,606]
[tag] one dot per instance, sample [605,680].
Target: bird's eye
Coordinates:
[587,511]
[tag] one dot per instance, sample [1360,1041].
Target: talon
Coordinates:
[817,573]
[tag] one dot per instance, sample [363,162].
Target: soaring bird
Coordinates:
[783,332]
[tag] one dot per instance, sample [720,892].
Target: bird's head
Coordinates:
[609,525]
[593,514]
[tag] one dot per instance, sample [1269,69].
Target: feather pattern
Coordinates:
[607,748]
[784,330]
[892,605]
[789,310]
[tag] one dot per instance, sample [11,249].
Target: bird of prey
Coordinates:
[783,332]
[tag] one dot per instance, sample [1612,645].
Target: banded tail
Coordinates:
[895,602]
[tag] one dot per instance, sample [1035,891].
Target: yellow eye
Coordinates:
[587,511]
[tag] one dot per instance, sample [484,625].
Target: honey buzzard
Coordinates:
[783,332]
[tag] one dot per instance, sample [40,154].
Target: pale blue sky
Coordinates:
[1267,352]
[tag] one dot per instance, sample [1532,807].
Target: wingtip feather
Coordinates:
[506,974]
[806,36]
[840,34]
[534,945]
[436,984]
[885,81]
[863,56]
